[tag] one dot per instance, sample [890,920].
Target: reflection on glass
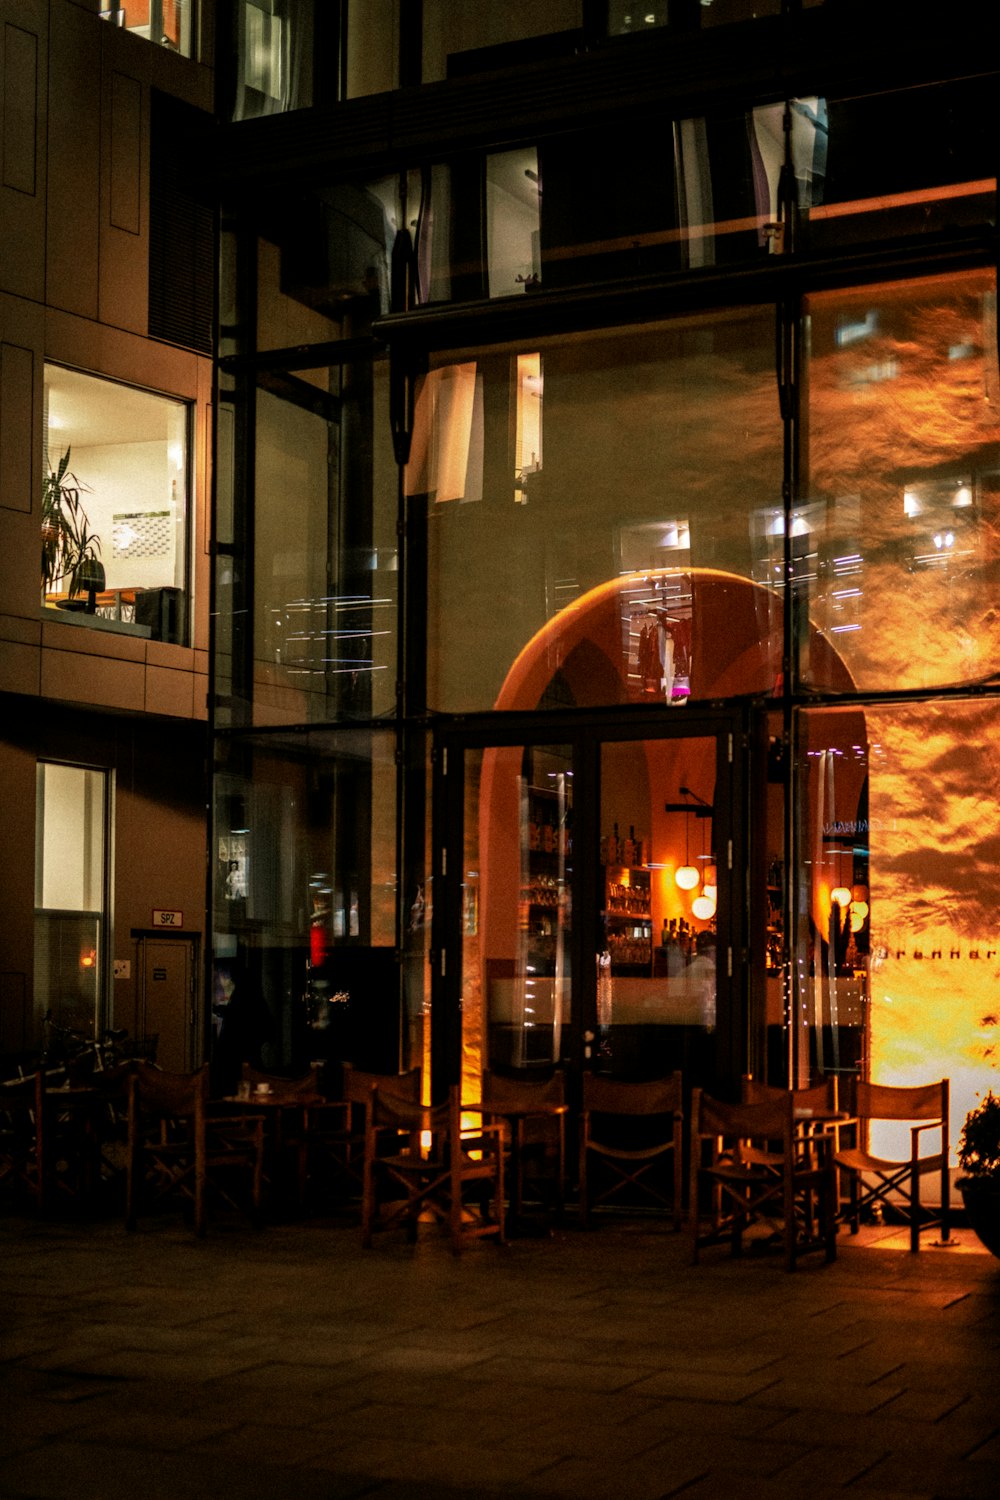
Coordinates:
[656,964]
[325,585]
[517,912]
[304,886]
[904,960]
[627,18]
[892,544]
[513,208]
[528,439]
[661,446]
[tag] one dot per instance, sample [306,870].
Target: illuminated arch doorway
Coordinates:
[635,643]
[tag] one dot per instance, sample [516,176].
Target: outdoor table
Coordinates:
[276,1108]
[517,1119]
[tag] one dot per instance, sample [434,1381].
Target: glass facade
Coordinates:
[622,498]
[662,463]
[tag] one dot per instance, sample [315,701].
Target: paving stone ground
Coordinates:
[290,1362]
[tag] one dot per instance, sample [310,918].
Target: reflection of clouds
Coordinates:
[935,855]
[912,398]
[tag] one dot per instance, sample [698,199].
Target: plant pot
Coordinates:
[982,1204]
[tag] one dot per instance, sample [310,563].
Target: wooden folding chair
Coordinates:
[894,1182]
[22,1138]
[535,1110]
[444,1171]
[177,1147]
[336,1128]
[750,1165]
[631,1128]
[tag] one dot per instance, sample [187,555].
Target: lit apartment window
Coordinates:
[71,847]
[170,23]
[115,507]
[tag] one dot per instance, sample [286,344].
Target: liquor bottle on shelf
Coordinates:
[628,851]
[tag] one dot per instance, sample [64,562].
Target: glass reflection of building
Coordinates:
[608,490]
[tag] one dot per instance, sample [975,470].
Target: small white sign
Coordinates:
[123,968]
[163,918]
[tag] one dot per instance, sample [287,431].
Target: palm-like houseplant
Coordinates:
[69,548]
[979,1159]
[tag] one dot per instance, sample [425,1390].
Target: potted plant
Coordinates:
[69,548]
[979,1159]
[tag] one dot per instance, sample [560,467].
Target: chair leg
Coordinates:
[583,1206]
[945,1200]
[199,1189]
[367,1201]
[914,1207]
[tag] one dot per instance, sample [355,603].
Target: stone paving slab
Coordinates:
[598,1366]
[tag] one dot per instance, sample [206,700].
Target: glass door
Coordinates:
[586,915]
[514,910]
[657,906]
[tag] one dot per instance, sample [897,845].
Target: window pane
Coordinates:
[900,814]
[274,57]
[305,890]
[460,39]
[70,817]
[513,200]
[115,507]
[633,565]
[902,493]
[945,178]
[324,547]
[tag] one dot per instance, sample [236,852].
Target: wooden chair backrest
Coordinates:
[306,1085]
[502,1092]
[762,1120]
[821,1096]
[881,1101]
[612,1096]
[168,1095]
[358,1085]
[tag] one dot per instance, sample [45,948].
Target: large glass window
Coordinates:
[902,490]
[305,893]
[325,548]
[897,957]
[632,558]
[71,822]
[115,507]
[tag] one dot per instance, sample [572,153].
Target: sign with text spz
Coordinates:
[162,918]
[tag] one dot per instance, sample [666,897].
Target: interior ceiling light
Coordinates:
[686,876]
[841,895]
[703,907]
